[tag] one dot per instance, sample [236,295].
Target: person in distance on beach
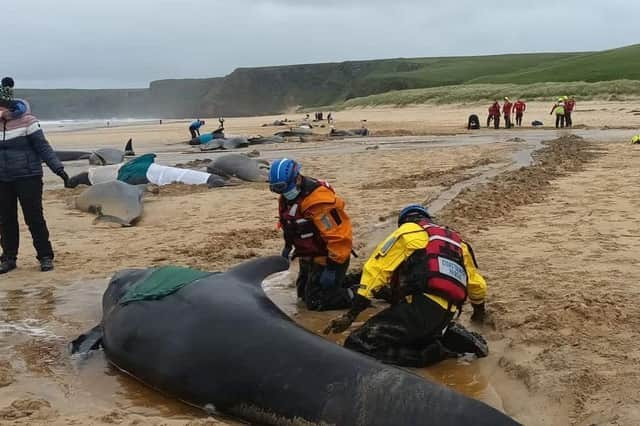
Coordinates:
[194,128]
[520,107]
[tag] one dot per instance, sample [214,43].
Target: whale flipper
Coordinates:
[87,342]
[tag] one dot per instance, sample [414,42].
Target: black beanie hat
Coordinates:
[8,82]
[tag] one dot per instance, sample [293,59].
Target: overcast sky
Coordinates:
[128,43]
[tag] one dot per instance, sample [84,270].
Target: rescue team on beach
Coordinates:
[563,109]
[426,272]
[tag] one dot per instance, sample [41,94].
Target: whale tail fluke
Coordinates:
[256,270]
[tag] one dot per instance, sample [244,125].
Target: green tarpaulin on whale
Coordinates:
[161,283]
[134,172]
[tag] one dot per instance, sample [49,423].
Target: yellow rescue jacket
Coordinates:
[397,248]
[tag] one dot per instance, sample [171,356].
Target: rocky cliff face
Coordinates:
[181,98]
[78,104]
[246,91]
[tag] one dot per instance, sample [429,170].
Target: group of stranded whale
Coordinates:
[233,351]
[217,140]
[116,188]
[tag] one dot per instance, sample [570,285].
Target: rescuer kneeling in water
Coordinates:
[431,272]
[318,230]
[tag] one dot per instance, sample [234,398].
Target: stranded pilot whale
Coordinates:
[221,344]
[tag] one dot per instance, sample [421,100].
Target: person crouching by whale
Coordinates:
[22,150]
[194,128]
[318,230]
[431,272]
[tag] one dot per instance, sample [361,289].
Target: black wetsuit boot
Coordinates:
[405,334]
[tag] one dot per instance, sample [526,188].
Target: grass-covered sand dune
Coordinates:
[464,93]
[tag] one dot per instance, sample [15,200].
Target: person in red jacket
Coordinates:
[569,106]
[494,114]
[507,110]
[520,107]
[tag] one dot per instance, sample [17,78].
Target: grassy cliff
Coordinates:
[264,90]
[616,64]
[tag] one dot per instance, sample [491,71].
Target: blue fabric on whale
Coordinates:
[205,138]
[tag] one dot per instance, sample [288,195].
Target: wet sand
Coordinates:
[554,358]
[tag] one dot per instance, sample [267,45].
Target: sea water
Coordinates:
[66,125]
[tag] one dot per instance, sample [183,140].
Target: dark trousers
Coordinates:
[29,192]
[507,121]
[194,132]
[567,119]
[317,298]
[405,334]
[519,118]
[496,121]
[560,121]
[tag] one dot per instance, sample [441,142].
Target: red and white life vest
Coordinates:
[299,231]
[446,274]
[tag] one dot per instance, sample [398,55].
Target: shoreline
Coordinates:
[68,126]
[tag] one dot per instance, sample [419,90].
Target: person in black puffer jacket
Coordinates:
[23,147]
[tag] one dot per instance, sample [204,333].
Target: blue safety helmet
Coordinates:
[283,175]
[412,212]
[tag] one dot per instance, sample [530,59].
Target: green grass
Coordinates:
[351,80]
[616,64]
[357,79]
[433,72]
[467,93]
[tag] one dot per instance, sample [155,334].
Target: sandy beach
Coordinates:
[556,240]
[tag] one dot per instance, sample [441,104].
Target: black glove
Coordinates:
[478,313]
[341,323]
[352,279]
[384,293]
[65,178]
[360,303]
[329,275]
[327,278]
[286,251]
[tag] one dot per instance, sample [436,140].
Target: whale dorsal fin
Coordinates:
[256,270]
[128,148]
